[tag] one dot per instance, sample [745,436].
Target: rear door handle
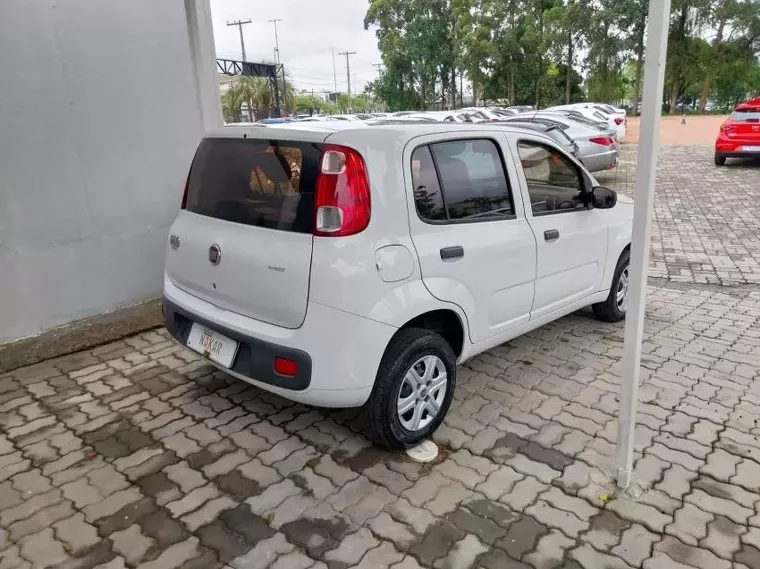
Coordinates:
[452,252]
[551,235]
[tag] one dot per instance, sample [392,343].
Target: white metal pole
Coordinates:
[649,145]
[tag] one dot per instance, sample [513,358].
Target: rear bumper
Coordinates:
[602,161]
[340,352]
[755,155]
[254,356]
[732,147]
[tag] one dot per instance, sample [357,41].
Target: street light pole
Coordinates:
[277,61]
[646,169]
[276,42]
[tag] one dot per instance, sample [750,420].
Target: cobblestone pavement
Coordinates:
[137,454]
[706,224]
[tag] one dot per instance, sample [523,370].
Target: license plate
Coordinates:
[213,345]
[750,148]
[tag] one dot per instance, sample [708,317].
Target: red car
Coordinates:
[739,136]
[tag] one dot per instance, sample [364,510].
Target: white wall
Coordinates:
[99,118]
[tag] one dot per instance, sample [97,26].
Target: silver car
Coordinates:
[597,149]
[553,132]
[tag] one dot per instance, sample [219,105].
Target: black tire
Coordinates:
[609,311]
[380,411]
[720,160]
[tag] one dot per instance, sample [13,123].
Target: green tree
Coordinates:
[257,94]
[729,20]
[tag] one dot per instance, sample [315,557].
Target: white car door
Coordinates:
[571,239]
[468,225]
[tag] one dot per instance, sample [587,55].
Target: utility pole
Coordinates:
[348,73]
[277,59]
[240,24]
[335,77]
[378,66]
[276,42]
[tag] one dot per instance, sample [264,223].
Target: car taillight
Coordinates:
[603,140]
[342,205]
[618,120]
[184,194]
[726,127]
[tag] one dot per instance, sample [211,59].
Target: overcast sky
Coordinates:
[308,30]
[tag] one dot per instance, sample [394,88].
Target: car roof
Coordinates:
[319,131]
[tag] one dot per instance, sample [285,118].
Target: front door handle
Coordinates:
[452,252]
[551,235]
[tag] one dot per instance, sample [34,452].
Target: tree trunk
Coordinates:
[453,102]
[639,63]
[676,91]
[569,75]
[707,85]
[511,79]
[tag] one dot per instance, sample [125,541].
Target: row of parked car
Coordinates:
[589,131]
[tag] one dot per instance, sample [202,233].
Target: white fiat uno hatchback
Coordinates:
[346,265]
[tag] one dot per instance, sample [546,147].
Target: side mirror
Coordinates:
[604,198]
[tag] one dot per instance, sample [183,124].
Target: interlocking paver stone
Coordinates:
[550,551]
[567,523]
[193,500]
[42,549]
[719,506]
[634,511]
[723,537]
[635,545]
[41,519]
[686,554]
[174,556]
[111,504]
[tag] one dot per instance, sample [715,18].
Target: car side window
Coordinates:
[473,179]
[555,185]
[427,191]
[466,181]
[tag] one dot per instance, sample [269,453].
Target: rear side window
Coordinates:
[746,116]
[427,190]
[255,182]
[465,181]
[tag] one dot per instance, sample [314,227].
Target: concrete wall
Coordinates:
[99,118]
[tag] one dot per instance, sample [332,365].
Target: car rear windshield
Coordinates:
[752,115]
[265,183]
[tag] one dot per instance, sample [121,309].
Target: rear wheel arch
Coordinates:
[445,322]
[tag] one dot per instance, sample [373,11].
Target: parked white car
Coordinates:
[615,120]
[358,266]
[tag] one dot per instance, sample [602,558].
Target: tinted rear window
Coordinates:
[746,116]
[264,183]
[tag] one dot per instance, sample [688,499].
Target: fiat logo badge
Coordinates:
[214,254]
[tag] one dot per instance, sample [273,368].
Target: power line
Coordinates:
[240,24]
[348,73]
